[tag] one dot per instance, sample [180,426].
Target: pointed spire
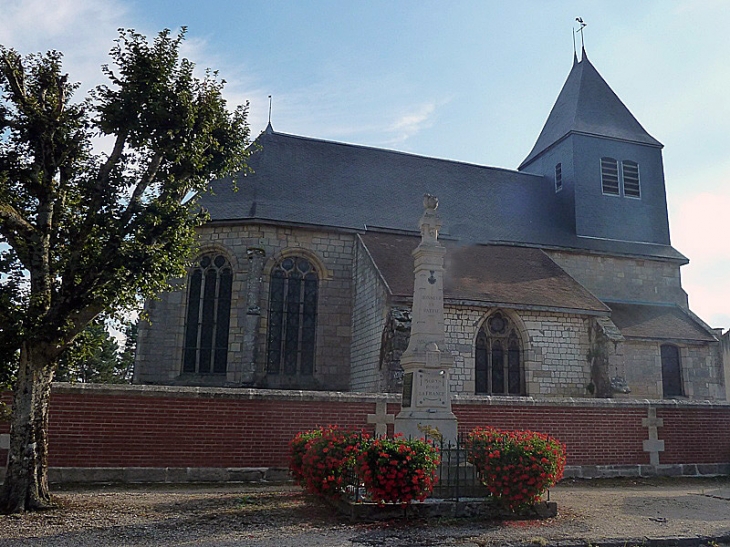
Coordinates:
[269,129]
[588,106]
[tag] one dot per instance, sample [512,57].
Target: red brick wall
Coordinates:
[131,426]
[593,436]
[695,435]
[88,430]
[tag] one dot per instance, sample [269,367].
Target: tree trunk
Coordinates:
[26,479]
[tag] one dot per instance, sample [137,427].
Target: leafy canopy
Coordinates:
[84,232]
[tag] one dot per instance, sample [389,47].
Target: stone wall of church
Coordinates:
[621,278]
[641,363]
[160,340]
[159,359]
[370,312]
[555,349]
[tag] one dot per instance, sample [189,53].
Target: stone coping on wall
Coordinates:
[586,402]
[361,397]
[223,393]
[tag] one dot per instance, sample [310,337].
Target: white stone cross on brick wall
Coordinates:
[653,445]
[381,418]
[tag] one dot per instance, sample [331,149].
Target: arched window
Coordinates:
[292,318]
[671,371]
[498,358]
[208,316]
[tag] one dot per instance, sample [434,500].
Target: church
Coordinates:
[560,278]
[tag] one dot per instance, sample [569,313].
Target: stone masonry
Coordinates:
[332,254]
[555,348]
[370,313]
[623,278]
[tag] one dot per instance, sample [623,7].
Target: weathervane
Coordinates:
[269,109]
[582,26]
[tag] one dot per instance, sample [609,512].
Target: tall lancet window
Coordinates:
[208,316]
[498,358]
[292,318]
[671,371]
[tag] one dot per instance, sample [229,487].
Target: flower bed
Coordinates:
[515,466]
[329,455]
[397,470]
[390,470]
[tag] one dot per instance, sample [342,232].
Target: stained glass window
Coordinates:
[208,316]
[292,318]
[498,358]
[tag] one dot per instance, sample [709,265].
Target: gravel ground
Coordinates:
[282,516]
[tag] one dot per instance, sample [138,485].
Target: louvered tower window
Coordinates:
[609,176]
[558,177]
[632,187]
[208,316]
[498,358]
[292,318]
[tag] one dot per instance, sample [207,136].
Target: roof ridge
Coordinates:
[269,134]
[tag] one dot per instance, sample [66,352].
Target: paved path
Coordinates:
[621,513]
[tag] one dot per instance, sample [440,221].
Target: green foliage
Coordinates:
[515,466]
[90,233]
[126,358]
[95,357]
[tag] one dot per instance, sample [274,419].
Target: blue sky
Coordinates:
[471,81]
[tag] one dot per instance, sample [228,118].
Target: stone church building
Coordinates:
[560,277]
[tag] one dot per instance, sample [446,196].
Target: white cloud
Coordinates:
[412,123]
[83,30]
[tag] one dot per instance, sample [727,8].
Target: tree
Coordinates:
[95,357]
[125,365]
[90,233]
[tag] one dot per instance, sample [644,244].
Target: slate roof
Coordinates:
[587,105]
[307,181]
[656,322]
[491,274]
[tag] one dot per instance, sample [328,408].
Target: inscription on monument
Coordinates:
[432,389]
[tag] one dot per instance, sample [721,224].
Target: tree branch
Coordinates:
[12,219]
[134,202]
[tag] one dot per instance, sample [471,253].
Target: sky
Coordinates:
[470,80]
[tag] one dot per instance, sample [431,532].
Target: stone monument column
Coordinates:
[426,366]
